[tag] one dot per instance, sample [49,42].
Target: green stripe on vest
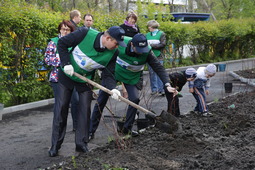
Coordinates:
[122,72]
[156,37]
[55,40]
[85,59]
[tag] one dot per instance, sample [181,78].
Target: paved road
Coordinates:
[25,135]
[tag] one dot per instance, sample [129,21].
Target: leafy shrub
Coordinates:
[24,31]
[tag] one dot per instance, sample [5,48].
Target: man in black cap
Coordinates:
[129,65]
[82,51]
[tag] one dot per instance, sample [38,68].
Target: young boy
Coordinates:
[178,80]
[200,88]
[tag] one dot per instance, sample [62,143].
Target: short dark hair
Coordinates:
[132,15]
[66,23]
[88,15]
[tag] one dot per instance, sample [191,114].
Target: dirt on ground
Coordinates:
[249,74]
[225,140]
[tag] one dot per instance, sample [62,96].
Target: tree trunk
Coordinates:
[74,4]
[171,5]
[127,6]
[110,5]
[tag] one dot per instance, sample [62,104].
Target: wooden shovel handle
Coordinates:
[109,92]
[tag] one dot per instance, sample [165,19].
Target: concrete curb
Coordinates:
[27,106]
[32,105]
[203,65]
[242,79]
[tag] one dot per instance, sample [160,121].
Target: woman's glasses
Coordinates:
[66,29]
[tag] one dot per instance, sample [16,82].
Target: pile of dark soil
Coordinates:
[225,140]
[249,74]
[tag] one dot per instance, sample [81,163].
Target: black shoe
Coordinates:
[130,132]
[91,136]
[53,151]
[83,149]
[134,133]
[162,93]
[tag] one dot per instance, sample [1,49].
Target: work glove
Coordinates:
[99,72]
[68,69]
[115,94]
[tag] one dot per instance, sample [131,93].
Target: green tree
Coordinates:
[227,9]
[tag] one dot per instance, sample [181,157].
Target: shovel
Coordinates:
[165,121]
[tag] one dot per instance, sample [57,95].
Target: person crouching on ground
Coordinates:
[200,88]
[178,80]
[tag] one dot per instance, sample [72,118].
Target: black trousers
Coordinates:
[61,114]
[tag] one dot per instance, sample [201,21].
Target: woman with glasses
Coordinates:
[52,59]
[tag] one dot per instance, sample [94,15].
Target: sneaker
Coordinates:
[91,136]
[162,93]
[204,114]
[209,114]
[130,132]
[153,93]
[194,112]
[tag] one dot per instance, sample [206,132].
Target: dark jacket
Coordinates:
[72,40]
[129,31]
[178,80]
[74,24]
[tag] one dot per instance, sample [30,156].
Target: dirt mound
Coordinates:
[250,73]
[225,140]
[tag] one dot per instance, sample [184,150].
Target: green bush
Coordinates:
[24,31]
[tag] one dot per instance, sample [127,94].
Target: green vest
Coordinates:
[128,68]
[155,40]
[85,59]
[55,40]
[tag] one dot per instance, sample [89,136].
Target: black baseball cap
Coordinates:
[117,33]
[141,44]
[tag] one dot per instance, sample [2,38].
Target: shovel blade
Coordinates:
[168,123]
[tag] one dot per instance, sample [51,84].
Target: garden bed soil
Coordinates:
[250,73]
[225,140]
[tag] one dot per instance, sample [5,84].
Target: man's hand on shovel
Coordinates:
[115,94]
[170,122]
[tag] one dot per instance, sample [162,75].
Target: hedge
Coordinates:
[24,31]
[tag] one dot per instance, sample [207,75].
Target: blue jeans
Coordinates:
[156,83]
